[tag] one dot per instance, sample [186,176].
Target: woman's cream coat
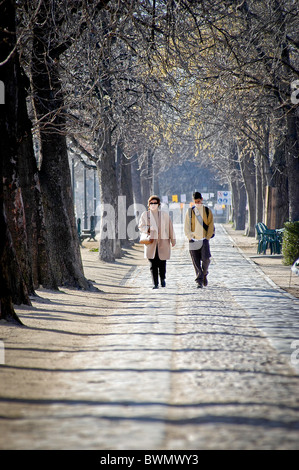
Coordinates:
[161,230]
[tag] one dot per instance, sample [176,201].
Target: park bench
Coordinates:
[89,234]
[268,238]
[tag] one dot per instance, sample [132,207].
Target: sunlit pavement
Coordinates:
[213,364]
[189,368]
[181,367]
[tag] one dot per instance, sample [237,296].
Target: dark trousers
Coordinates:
[158,267]
[201,261]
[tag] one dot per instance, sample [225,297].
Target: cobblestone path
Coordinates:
[181,367]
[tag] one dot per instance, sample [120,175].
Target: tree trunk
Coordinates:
[125,215]
[147,176]
[280,179]
[292,159]
[248,170]
[42,273]
[259,191]
[237,188]
[150,170]
[136,180]
[291,113]
[55,178]
[37,245]
[267,181]
[109,196]
[239,204]
[12,285]
[109,242]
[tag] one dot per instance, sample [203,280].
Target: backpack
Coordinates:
[203,224]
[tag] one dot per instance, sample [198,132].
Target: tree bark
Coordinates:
[259,191]
[280,181]
[109,195]
[11,283]
[109,242]
[41,270]
[237,188]
[291,119]
[239,204]
[13,287]
[248,170]
[125,217]
[292,158]
[55,178]
[136,180]
[146,176]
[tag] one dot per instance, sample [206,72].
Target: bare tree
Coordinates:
[13,288]
[244,57]
[120,100]
[51,39]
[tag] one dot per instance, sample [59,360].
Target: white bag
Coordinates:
[145,239]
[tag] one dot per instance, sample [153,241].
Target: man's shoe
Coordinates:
[205,281]
[199,285]
[156,287]
[163,283]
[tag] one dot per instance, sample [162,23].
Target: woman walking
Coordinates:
[159,225]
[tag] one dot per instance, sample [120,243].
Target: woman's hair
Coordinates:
[154,198]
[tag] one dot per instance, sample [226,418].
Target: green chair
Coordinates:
[268,238]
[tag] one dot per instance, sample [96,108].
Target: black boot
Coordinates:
[162,272]
[155,278]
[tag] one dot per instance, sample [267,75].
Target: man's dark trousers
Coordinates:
[201,260]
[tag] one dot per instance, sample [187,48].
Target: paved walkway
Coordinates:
[211,362]
[180,367]
[273,310]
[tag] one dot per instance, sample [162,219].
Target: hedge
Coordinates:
[290,244]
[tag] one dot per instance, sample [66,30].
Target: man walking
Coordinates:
[199,229]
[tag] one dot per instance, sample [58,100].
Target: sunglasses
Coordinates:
[153,203]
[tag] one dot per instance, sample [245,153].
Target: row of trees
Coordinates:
[240,70]
[137,86]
